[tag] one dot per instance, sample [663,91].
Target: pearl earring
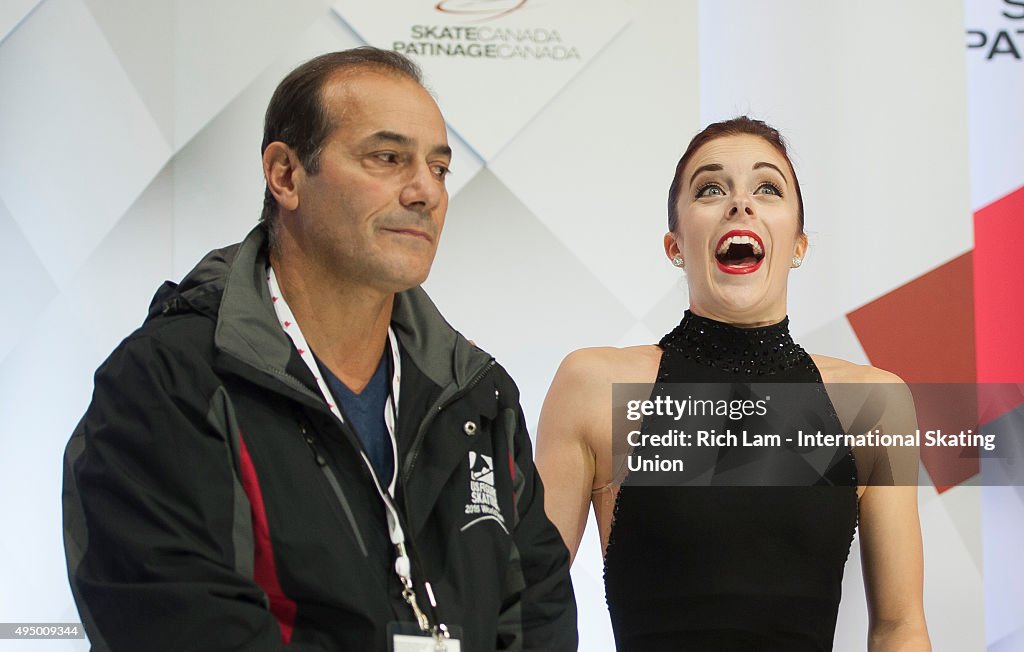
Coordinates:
[797,261]
[677,260]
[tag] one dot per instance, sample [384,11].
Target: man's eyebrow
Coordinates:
[405,141]
[766,164]
[710,167]
[389,136]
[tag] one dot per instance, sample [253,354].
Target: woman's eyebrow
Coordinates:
[766,164]
[710,167]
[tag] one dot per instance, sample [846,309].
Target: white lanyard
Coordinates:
[291,327]
[403,567]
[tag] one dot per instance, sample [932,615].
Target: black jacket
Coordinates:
[213,502]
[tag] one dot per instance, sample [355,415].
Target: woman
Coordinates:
[730,567]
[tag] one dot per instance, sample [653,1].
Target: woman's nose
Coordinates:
[741,203]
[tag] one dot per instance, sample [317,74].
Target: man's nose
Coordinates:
[423,189]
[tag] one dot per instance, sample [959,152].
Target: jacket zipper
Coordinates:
[332,480]
[436,409]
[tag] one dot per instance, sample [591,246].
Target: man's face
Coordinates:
[373,214]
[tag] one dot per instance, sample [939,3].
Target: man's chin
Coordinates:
[409,277]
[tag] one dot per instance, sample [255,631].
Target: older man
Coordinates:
[295,449]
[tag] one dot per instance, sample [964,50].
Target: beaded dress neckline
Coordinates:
[752,352]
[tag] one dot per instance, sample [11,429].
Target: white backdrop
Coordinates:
[131,137]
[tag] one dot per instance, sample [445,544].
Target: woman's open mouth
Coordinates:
[739,252]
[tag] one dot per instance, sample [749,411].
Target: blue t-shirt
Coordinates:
[364,413]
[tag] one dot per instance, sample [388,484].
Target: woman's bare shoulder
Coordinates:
[853,386]
[837,370]
[577,406]
[606,364]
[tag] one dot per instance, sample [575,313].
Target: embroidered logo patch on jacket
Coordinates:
[483,499]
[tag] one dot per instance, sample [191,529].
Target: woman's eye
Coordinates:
[769,189]
[710,190]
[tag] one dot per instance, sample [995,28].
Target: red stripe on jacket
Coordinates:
[264,569]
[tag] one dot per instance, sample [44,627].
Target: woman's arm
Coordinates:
[890,533]
[565,459]
[890,541]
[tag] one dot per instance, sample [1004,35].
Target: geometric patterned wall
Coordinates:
[131,137]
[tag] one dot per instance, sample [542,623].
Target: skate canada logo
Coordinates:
[480,10]
[481,38]
[483,499]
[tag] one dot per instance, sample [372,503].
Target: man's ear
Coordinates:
[282,169]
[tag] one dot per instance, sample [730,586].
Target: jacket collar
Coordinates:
[441,352]
[247,327]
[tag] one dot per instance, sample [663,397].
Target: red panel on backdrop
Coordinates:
[924,333]
[999,290]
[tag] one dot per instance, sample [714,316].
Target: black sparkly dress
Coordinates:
[728,568]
